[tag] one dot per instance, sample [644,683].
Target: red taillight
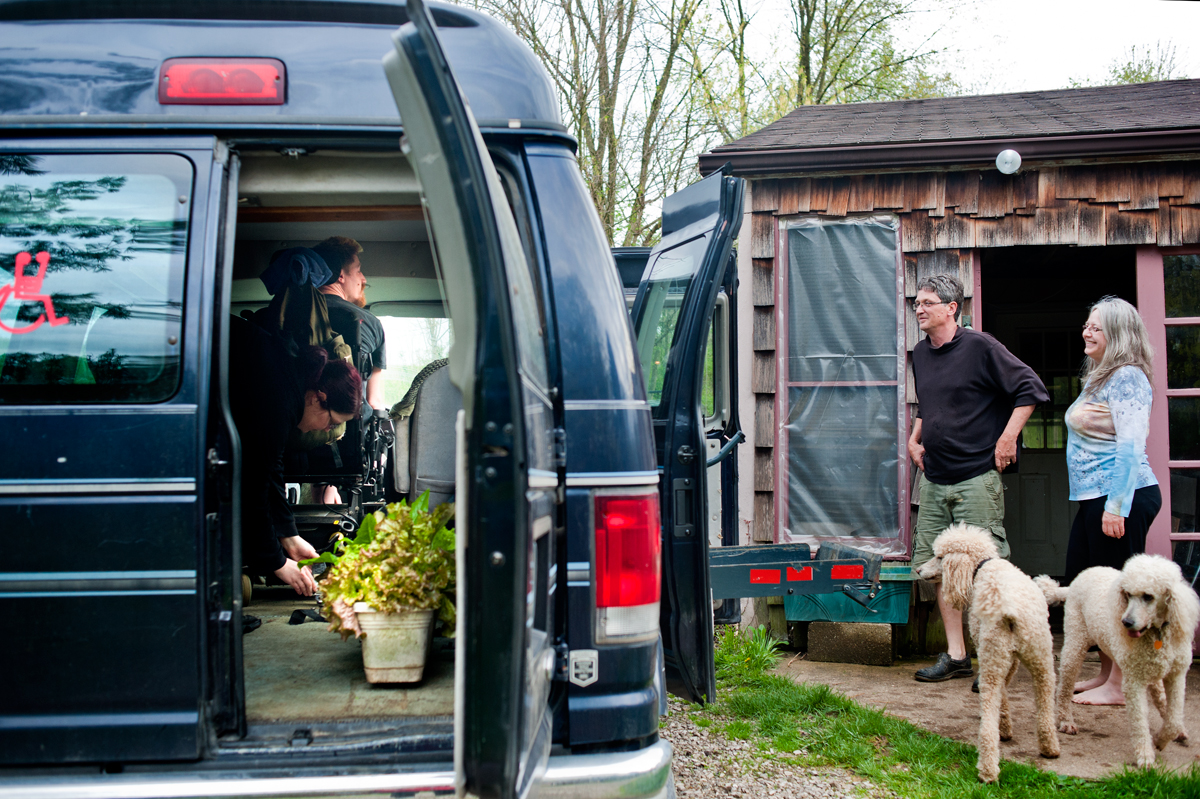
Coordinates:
[628,567]
[222,81]
[628,550]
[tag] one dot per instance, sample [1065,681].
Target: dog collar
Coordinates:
[975,573]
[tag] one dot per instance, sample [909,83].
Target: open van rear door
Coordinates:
[506,480]
[672,315]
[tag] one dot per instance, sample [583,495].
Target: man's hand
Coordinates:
[917,453]
[1006,452]
[1112,525]
[298,578]
[297,548]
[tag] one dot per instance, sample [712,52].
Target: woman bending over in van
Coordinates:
[1107,468]
[273,390]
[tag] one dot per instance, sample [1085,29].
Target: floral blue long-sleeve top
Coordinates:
[1106,440]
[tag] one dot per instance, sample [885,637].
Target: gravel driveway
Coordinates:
[708,765]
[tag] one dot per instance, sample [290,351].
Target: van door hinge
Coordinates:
[560,448]
[562,659]
[214,460]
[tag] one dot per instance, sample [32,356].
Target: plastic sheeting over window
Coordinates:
[843,373]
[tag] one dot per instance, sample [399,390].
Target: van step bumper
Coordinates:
[644,774]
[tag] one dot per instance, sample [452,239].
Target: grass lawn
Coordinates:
[812,725]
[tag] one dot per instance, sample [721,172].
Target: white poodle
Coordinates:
[1009,623]
[1143,617]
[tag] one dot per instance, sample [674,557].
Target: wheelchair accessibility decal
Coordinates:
[28,288]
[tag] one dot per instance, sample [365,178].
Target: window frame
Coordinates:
[782,384]
[1151,286]
[190,196]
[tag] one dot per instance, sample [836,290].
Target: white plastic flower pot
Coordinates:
[396,645]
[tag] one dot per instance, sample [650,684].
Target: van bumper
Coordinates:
[644,774]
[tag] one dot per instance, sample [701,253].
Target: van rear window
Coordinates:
[92,258]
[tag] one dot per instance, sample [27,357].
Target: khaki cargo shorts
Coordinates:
[978,501]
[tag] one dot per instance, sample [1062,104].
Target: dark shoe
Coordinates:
[946,668]
[975,685]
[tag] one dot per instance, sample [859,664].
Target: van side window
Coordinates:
[523,298]
[670,277]
[92,261]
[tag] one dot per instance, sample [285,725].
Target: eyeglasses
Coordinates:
[332,423]
[1089,327]
[918,305]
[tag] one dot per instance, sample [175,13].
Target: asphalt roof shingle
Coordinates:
[1165,105]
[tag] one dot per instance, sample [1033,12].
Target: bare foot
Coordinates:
[1088,685]
[1104,695]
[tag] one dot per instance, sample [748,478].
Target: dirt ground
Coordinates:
[950,709]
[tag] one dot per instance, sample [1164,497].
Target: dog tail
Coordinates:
[1055,594]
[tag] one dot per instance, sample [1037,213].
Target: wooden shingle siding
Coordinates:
[764,425]
[764,470]
[765,196]
[764,329]
[764,516]
[944,217]
[762,235]
[1085,205]
[762,281]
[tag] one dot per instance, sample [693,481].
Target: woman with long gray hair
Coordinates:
[1107,467]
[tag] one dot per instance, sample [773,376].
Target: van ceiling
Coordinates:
[374,198]
[327,179]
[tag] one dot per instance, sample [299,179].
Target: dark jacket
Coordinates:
[266,395]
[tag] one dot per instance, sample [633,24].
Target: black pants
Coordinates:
[1089,546]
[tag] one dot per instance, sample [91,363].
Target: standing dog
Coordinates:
[1009,623]
[1143,617]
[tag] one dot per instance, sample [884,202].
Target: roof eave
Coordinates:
[941,154]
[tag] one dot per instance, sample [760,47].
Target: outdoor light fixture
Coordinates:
[1008,162]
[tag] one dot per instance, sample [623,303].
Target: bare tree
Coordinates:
[832,51]
[1142,65]
[846,51]
[624,85]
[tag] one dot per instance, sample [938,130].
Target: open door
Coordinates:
[504,661]
[672,315]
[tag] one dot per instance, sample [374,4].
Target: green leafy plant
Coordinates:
[399,559]
[745,654]
[762,651]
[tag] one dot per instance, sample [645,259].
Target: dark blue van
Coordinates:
[154,154]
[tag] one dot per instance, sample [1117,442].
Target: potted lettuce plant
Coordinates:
[390,583]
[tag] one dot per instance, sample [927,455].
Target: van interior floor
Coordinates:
[303,672]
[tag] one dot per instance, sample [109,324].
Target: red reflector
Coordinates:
[803,574]
[846,572]
[222,81]
[763,576]
[628,550]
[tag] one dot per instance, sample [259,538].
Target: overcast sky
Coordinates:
[1027,45]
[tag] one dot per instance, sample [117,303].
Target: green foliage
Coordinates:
[811,724]
[403,558]
[745,656]
[739,730]
[1142,65]
[847,52]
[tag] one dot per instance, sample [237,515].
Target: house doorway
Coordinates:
[1034,301]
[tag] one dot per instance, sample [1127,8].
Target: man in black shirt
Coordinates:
[345,297]
[975,397]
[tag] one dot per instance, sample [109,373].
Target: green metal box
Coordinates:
[890,603]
